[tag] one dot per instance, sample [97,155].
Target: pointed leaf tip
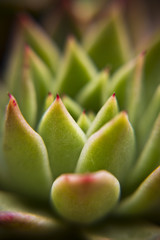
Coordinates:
[24,152]
[12,101]
[59,129]
[111,148]
[57,97]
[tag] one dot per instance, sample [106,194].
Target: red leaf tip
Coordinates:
[13,101]
[143,53]
[114,94]
[9,95]
[57,97]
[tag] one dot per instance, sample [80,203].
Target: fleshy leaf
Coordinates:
[40,42]
[91,115]
[92,95]
[106,113]
[111,148]
[134,90]
[85,198]
[14,65]
[76,70]
[49,100]
[63,138]
[145,200]
[124,230]
[119,81]
[27,95]
[147,120]
[84,122]
[26,158]
[149,158]
[41,76]
[151,68]
[72,106]
[15,214]
[107,43]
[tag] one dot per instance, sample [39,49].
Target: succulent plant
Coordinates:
[66,172]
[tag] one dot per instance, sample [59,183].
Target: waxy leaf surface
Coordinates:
[85,198]
[111,148]
[25,155]
[63,138]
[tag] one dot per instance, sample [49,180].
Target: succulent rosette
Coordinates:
[80,136]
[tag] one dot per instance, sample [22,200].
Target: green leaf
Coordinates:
[27,95]
[13,71]
[48,101]
[63,138]
[111,148]
[40,42]
[107,42]
[119,81]
[84,122]
[85,198]
[43,80]
[26,158]
[72,106]
[151,68]
[134,90]
[149,158]
[17,215]
[75,71]
[148,118]
[124,230]
[105,114]
[92,94]
[145,200]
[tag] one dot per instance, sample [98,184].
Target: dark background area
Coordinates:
[39,8]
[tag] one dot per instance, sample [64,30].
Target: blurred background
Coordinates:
[61,18]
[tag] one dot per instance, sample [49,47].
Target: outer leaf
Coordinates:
[106,113]
[92,95]
[27,95]
[15,214]
[145,200]
[149,158]
[110,148]
[119,83]
[126,230]
[134,90]
[40,42]
[41,76]
[63,137]
[107,43]
[148,118]
[85,198]
[13,71]
[26,159]
[76,70]
[151,69]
